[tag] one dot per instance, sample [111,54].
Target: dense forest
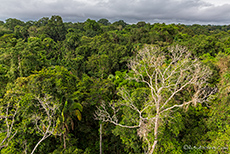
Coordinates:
[115,88]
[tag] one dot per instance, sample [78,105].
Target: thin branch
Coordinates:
[9,126]
[165,81]
[50,109]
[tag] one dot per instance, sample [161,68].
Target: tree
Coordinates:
[59,83]
[21,32]
[2,23]
[104,22]
[141,24]
[165,76]
[72,39]
[218,121]
[12,22]
[69,110]
[55,28]
[92,28]
[8,112]
[120,24]
[11,58]
[42,22]
[46,119]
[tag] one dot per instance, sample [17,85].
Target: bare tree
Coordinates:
[165,75]
[46,120]
[7,116]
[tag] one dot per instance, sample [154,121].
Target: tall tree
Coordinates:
[165,77]
[8,112]
[55,28]
[92,28]
[46,118]
[42,22]
[104,22]
[12,22]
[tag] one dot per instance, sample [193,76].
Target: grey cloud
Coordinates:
[129,10]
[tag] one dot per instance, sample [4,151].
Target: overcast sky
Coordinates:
[131,11]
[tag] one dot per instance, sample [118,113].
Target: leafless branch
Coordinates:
[103,114]
[46,125]
[8,117]
[166,78]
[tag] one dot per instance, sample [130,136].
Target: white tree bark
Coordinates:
[8,115]
[46,125]
[100,138]
[165,76]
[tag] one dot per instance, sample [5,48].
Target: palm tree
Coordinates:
[70,110]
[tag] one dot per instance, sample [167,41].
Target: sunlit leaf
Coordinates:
[78,114]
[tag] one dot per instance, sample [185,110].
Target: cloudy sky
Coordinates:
[131,11]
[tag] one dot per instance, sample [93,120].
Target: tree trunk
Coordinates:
[155,134]
[100,138]
[64,141]
[43,138]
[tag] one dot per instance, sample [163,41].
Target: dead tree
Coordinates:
[8,113]
[46,118]
[166,75]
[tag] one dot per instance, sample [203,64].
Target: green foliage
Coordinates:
[21,32]
[12,22]
[42,22]
[80,65]
[104,22]
[218,123]
[120,24]
[92,28]
[4,31]
[55,28]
